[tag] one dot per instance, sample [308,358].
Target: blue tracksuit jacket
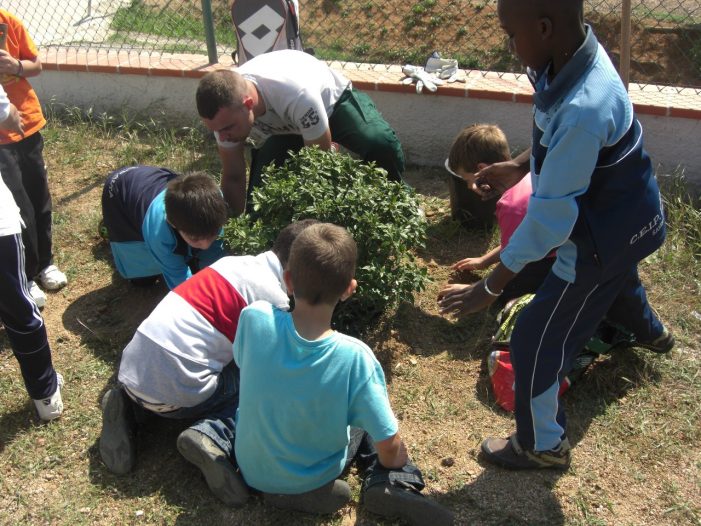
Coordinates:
[142,242]
[595,198]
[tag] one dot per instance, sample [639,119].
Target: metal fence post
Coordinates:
[624,66]
[208,22]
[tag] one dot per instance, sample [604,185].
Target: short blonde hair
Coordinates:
[322,263]
[478,143]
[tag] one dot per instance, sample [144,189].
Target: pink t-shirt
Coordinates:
[511,208]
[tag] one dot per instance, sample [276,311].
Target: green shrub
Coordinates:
[382,216]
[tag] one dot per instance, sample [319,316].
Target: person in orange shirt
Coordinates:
[21,160]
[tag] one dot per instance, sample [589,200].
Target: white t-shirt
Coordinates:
[299,92]
[10,222]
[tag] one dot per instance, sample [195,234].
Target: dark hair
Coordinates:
[195,206]
[286,237]
[218,89]
[478,143]
[569,11]
[322,263]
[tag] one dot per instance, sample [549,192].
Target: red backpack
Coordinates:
[607,337]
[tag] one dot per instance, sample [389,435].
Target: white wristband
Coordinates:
[488,291]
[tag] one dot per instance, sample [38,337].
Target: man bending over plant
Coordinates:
[282,101]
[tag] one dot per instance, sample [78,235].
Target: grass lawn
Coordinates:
[633,418]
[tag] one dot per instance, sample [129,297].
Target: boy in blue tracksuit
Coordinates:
[595,200]
[161,223]
[19,314]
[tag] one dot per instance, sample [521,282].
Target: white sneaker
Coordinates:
[52,407]
[52,279]
[37,294]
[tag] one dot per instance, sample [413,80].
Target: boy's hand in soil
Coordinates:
[461,300]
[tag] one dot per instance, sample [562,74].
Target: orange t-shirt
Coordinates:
[19,90]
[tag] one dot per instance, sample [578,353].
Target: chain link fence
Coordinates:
[665,43]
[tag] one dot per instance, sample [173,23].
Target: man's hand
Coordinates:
[461,300]
[13,123]
[233,180]
[324,141]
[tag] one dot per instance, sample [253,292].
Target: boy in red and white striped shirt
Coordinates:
[179,364]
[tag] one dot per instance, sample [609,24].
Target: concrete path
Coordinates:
[56,22]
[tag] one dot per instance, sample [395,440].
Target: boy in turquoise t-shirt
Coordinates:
[311,397]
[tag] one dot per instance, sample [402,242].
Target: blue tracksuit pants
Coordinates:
[23,324]
[550,332]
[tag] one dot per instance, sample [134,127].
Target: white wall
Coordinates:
[104,92]
[425,124]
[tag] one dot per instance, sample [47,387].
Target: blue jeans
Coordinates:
[217,413]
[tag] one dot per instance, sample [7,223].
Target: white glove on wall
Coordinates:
[418,74]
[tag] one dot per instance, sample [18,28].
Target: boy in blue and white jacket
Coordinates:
[595,200]
[161,223]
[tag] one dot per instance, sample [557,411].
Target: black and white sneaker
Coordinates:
[660,345]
